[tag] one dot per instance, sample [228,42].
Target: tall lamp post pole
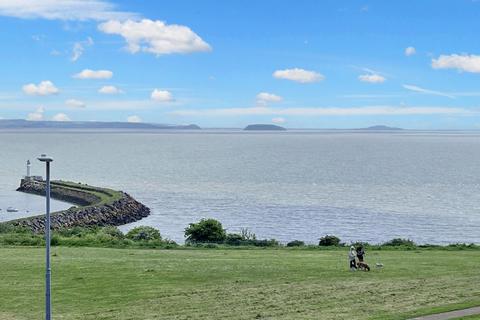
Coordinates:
[48,271]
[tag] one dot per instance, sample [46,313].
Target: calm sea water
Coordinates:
[291,185]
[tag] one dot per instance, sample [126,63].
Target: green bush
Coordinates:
[76,231]
[143,233]
[244,239]
[205,231]
[114,232]
[328,241]
[398,242]
[264,243]
[21,239]
[234,239]
[296,243]
[8,228]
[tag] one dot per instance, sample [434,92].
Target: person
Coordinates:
[360,253]
[352,255]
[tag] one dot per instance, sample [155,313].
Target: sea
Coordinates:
[294,185]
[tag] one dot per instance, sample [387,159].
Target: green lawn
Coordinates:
[98,283]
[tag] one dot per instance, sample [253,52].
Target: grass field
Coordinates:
[100,283]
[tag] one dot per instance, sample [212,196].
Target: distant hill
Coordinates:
[264,127]
[380,128]
[24,124]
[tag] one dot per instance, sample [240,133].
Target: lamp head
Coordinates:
[45,158]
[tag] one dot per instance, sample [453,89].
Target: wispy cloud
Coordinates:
[370,96]
[63,10]
[79,48]
[371,78]
[427,91]
[73,103]
[37,115]
[263,98]
[326,111]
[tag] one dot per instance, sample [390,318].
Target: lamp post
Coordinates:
[48,271]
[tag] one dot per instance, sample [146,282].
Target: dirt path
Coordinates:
[451,314]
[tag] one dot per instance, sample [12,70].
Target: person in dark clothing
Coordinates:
[360,253]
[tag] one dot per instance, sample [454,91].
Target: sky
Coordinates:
[299,64]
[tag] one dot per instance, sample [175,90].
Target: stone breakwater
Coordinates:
[96,206]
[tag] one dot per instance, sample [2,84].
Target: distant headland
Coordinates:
[24,124]
[264,127]
[380,128]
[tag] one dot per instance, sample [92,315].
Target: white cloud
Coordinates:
[372,78]
[298,75]
[44,88]
[410,51]
[155,37]
[161,95]
[134,119]
[79,47]
[62,10]
[427,91]
[109,90]
[37,115]
[464,62]
[327,111]
[264,97]
[73,103]
[60,117]
[93,74]
[279,120]
[38,37]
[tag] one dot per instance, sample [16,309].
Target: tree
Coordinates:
[206,230]
[144,233]
[329,241]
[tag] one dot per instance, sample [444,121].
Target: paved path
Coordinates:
[451,314]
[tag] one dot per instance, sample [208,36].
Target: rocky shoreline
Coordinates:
[96,206]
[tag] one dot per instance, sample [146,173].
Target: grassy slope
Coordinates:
[95,283]
[105,195]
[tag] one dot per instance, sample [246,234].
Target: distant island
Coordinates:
[24,124]
[264,127]
[380,128]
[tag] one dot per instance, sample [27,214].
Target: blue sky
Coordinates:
[302,64]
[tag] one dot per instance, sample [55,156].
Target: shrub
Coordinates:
[114,232]
[361,244]
[397,242]
[247,235]
[207,230]
[76,232]
[5,228]
[234,239]
[8,228]
[54,240]
[22,239]
[328,241]
[143,233]
[264,243]
[296,243]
